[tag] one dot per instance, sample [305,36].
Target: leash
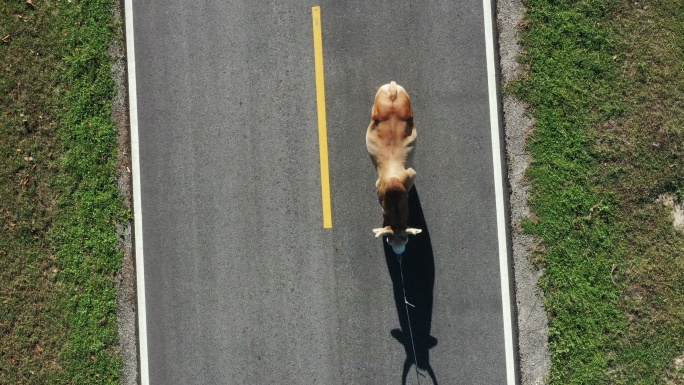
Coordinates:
[406,305]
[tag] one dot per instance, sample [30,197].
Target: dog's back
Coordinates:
[391,134]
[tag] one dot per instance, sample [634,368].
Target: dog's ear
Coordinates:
[383,231]
[413,231]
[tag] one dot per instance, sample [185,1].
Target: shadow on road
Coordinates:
[419,279]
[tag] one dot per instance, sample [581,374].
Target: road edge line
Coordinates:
[498,188]
[137,205]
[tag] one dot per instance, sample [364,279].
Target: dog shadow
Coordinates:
[418,265]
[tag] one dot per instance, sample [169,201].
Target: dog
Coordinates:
[390,140]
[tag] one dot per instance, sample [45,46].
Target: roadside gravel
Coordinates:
[532,320]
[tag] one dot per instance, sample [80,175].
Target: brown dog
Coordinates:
[390,139]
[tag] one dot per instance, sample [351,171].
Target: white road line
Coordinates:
[137,206]
[498,189]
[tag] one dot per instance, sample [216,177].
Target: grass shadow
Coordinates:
[419,278]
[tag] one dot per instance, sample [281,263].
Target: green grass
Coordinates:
[58,194]
[605,82]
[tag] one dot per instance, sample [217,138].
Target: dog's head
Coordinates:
[397,239]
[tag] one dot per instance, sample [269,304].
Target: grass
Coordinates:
[605,82]
[58,194]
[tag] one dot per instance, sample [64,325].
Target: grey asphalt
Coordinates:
[243,284]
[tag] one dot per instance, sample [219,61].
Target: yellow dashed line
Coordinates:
[322,130]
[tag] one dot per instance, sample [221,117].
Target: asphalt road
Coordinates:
[243,285]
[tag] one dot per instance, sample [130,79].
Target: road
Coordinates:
[242,284]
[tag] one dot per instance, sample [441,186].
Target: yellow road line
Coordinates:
[322,130]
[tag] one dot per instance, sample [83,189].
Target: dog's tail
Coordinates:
[393,91]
